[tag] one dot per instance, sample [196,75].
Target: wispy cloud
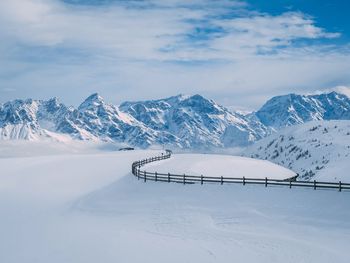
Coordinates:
[219,48]
[340,89]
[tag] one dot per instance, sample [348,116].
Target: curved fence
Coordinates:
[191,179]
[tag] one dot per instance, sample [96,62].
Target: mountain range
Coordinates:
[188,122]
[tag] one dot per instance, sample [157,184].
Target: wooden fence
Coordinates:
[191,179]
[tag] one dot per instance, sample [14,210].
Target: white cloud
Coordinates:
[340,89]
[48,47]
[344,90]
[266,32]
[141,33]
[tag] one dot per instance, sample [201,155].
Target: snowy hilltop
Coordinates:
[189,122]
[316,150]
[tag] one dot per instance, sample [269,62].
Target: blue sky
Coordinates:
[239,53]
[332,15]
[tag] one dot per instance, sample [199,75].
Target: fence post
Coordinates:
[144,175]
[184,179]
[243,180]
[222,180]
[339,186]
[265,181]
[290,184]
[201,178]
[314,184]
[168,177]
[156,176]
[138,174]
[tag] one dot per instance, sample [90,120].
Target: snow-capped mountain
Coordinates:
[288,110]
[92,120]
[319,149]
[107,122]
[180,121]
[196,121]
[27,119]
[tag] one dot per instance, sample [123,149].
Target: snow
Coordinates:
[220,165]
[318,150]
[64,146]
[87,207]
[19,131]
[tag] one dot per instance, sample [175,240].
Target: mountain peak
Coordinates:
[197,97]
[176,99]
[52,105]
[182,97]
[293,109]
[94,97]
[92,101]
[54,100]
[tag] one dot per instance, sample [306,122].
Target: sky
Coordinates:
[239,53]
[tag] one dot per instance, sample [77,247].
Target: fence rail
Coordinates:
[191,179]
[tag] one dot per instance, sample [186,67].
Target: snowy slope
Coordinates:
[86,208]
[316,150]
[220,165]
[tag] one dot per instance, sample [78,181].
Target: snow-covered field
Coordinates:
[87,207]
[220,165]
